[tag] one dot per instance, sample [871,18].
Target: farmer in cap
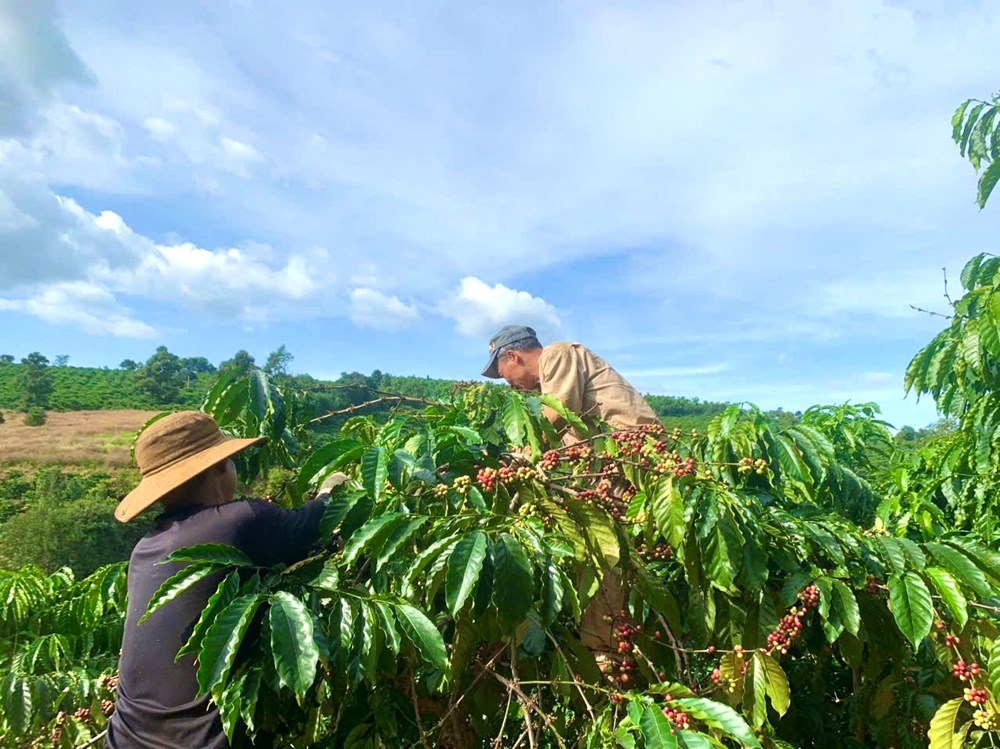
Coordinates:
[582,381]
[186,465]
[587,386]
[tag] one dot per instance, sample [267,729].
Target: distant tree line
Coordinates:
[166,380]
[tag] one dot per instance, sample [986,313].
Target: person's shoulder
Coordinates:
[561,348]
[246,509]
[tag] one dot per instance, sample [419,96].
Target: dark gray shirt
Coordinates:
[157,705]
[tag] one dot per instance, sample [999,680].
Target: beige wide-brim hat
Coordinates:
[172,451]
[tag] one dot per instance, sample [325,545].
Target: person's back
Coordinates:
[157,697]
[186,464]
[589,387]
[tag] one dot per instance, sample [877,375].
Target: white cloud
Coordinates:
[83,305]
[373,309]
[159,128]
[680,176]
[46,238]
[229,283]
[888,295]
[239,152]
[56,252]
[479,309]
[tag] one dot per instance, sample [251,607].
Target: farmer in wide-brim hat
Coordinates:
[186,465]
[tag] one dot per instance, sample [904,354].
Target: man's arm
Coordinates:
[273,534]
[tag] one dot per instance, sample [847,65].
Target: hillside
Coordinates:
[93,389]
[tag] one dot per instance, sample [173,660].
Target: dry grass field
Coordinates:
[73,437]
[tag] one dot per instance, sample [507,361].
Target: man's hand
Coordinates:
[332,481]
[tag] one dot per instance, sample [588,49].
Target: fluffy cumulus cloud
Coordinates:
[229,282]
[83,305]
[479,309]
[46,238]
[373,309]
[57,259]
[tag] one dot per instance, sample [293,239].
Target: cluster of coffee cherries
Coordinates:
[976,696]
[488,478]
[630,443]
[678,718]
[986,719]
[462,484]
[440,491]
[578,452]
[107,707]
[749,465]
[620,672]
[810,597]
[684,467]
[985,716]
[790,626]
[965,671]
[603,496]
[550,460]
[57,730]
[625,631]
[659,553]
[872,586]
[108,682]
[716,677]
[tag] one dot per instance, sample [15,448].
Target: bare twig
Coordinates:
[416,712]
[374,402]
[576,677]
[674,645]
[520,739]
[944,273]
[527,704]
[984,607]
[503,723]
[521,696]
[94,740]
[475,680]
[929,312]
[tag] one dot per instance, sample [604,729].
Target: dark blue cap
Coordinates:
[505,336]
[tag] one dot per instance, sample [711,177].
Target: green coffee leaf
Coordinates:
[464,565]
[292,644]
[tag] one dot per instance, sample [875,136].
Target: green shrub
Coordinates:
[61,518]
[34,417]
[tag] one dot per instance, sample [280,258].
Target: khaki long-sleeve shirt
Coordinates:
[589,387]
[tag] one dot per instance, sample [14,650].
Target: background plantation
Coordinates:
[89,388]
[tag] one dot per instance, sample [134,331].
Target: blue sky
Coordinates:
[729,200]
